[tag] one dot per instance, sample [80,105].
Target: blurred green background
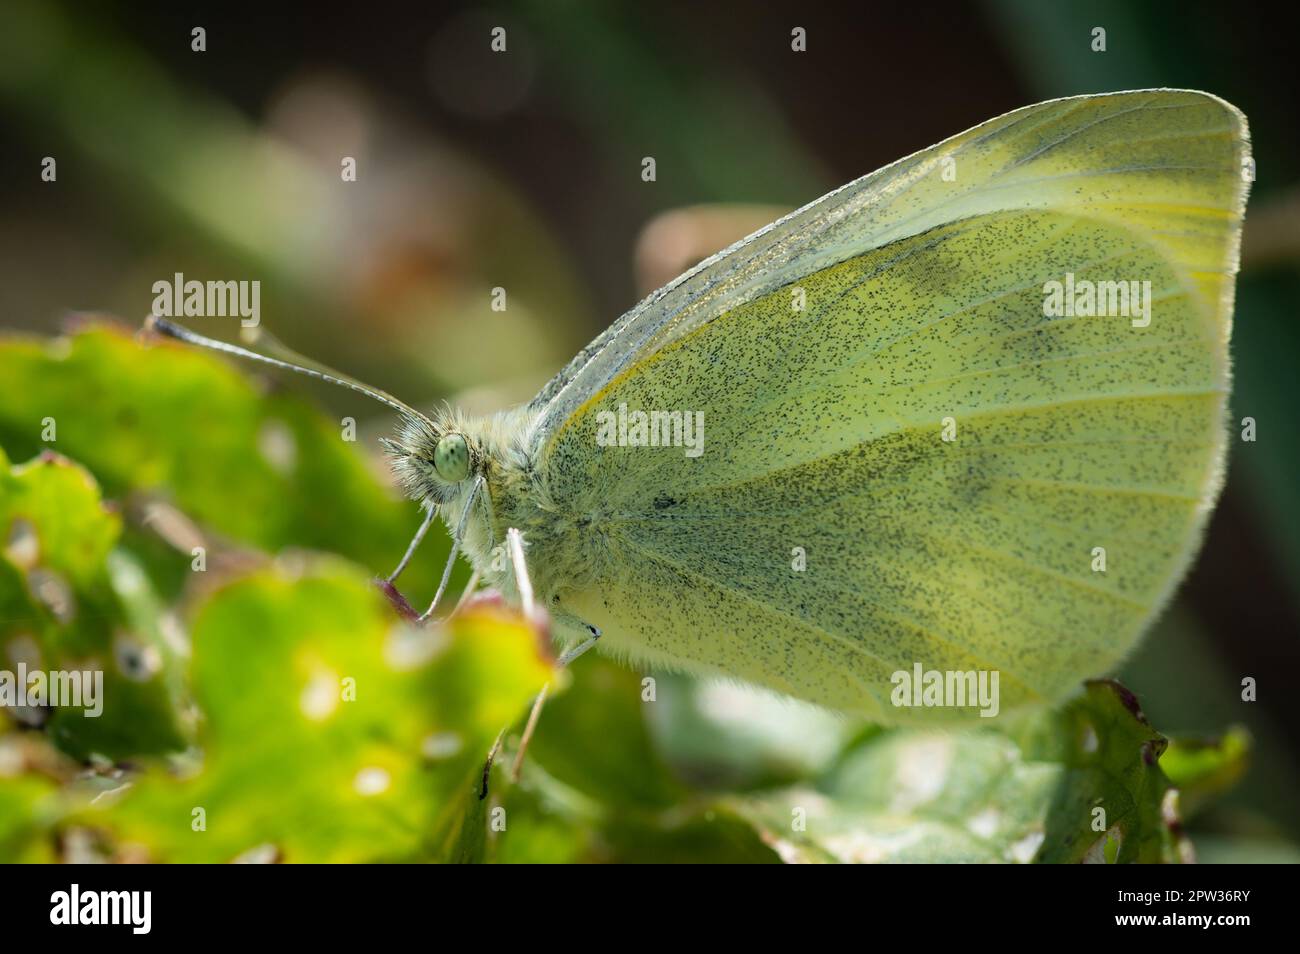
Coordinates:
[522,171]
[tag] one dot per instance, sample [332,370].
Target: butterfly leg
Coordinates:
[536,711]
[570,655]
[456,539]
[490,513]
[523,582]
[415,542]
[388,586]
[515,543]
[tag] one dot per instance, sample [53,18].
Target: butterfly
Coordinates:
[963,414]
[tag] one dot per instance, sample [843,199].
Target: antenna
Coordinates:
[299,364]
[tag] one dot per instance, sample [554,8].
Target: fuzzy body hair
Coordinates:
[566,546]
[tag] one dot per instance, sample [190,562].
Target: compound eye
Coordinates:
[451,458]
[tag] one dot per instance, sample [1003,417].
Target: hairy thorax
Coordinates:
[567,544]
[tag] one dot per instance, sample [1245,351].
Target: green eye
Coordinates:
[451,458]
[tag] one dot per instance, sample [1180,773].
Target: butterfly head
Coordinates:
[433,457]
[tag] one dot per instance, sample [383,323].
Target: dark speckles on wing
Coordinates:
[822,431]
[824,426]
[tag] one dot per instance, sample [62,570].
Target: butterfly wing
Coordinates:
[907,458]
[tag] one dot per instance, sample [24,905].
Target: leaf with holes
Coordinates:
[72,605]
[330,732]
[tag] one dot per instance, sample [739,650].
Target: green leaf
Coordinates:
[69,602]
[593,739]
[168,420]
[546,824]
[330,732]
[1204,768]
[1109,756]
[1242,850]
[914,797]
[30,802]
[713,835]
[596,788]
[722,734]
[549,822]
[23,803]
[983,795]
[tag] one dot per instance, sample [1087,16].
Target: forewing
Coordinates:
[1124,156]
[923,317]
